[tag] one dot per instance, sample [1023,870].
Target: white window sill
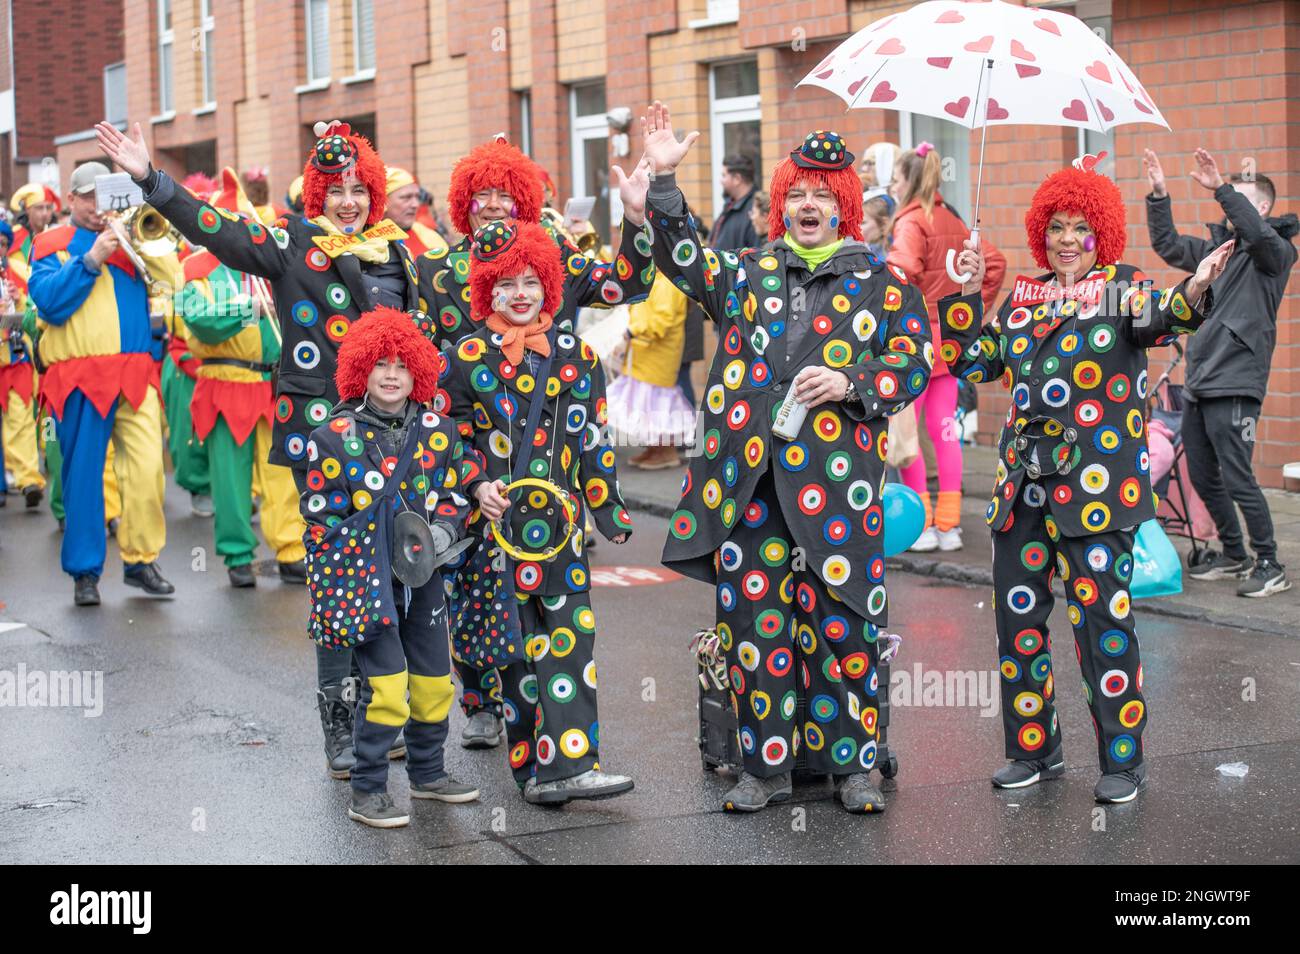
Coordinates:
[313,87]
[712,22]
[163,117]
[204,110]
[363,76]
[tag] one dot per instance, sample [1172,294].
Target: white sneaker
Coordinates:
[927,541]
[950,539]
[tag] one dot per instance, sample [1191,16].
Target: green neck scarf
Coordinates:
[813,257]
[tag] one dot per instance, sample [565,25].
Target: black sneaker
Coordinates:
[295,572]
[86,591]
[377,810]
[336,724]
[1265,579]
[145,576]
[242,576]
[1219,566]
[1120,787]
[445,789]
[1025,772]
[33,496]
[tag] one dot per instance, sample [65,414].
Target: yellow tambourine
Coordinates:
[570,516]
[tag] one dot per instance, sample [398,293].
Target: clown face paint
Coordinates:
[1071,247]
[812,215]
[519,297]
[490,205]
[347,203]
[389,385]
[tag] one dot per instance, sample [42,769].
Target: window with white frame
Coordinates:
[1091,142]
[209,31]
[317,23]
[525,121]
[363,36]
[953,143]
[590,150]
[166,103]
[115,92]
[735,120]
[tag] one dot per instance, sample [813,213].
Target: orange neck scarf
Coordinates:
[515,338]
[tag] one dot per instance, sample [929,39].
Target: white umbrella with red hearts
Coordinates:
[987,63]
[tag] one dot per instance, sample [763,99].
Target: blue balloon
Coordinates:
[904,518]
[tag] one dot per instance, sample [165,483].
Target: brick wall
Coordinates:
[1219,69]
[59,53]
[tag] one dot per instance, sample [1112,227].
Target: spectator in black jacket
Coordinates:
[1228,362]
[733,230]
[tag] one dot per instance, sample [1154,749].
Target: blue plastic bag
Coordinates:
[1157,570]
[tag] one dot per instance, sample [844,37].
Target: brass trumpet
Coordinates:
[151,242]
[587,240]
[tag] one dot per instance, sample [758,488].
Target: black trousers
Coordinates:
[1219,436]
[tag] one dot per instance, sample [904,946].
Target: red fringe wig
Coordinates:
[844,183]
[532,245]
[1077,192]
[369,170]
[495,165]
[380,334]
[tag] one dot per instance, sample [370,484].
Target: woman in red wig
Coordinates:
[516,287]
[790,528]
[340,258]
[1073,477]
[387,373]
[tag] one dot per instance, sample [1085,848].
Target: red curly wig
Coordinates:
[1077,192]
[380,334]
[844,183]
[495,165]
[369,170]
[533,246]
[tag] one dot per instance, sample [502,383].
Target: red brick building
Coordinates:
[60,65]
[239,82]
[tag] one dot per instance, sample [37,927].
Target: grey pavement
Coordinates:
[208,745]
[1214,602]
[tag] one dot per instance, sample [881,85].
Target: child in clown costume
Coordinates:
[496,181]
[387,374]
[326,267]
[1073,477]
[236,347]
[549,698]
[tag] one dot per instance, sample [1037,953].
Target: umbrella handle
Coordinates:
[956,276]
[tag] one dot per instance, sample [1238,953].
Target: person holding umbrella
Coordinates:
[1073,474]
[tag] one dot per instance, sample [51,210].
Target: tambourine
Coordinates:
[570,517]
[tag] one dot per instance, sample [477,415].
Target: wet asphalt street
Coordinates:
[208,747]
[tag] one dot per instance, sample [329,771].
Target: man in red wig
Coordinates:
[1073,477]
[387,373]
[790,529]
[549,698]
[340,258]
[494,182]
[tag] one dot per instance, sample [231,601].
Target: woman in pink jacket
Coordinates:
[924,229]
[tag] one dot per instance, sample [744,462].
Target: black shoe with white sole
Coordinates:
[377,810]
[1265,579]
[1025,772]
[1220,566]
[1120,787]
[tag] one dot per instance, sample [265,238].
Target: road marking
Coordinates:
[631,575]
